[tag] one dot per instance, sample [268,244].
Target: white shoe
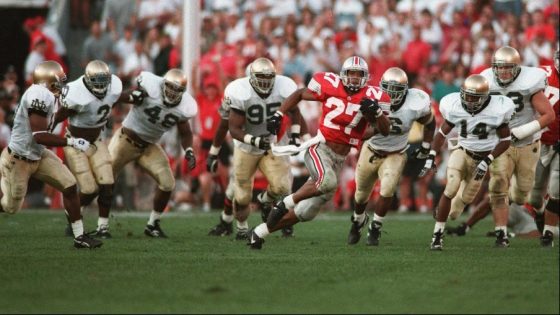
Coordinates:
[206,208]
[184,207]
[403,209]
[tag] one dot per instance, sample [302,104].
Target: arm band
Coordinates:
[505,139]
[442,133]
[247,138]
[38,132]
[215,150]
[425,145]
[526,130]
[295,129]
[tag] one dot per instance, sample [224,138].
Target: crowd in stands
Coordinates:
[437,42]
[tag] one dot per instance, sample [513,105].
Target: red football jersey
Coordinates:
[341,121]
[552,92]
[208,116]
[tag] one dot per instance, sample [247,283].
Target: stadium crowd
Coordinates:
[437,43]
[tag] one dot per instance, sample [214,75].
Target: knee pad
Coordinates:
[87,183]
[166,183]
[307,210]
[328,183]
[453,183]
[552,206]
[105,196]
[499,201]
[277,191]
[518,196]
[243,193]
[457,207]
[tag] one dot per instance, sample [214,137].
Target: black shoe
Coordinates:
[278,211]
[85,241]
[288,231]
[547,240]
[101,233]
[437,241]
[242,235]
[265,207]
[254,241]
[460,230]
[356,230]
[539,221]
[221,229]
[374,232]
[502,240]
[154,230]
[68,231]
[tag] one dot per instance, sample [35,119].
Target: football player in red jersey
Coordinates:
[348,105]
[548,167]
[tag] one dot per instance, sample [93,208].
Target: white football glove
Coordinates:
[78,143]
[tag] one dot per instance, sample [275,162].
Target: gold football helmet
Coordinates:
[51,74]
[262,74]
[394,82]
[353,83]
[474,93]
[174,85]
[506,64]
[97,78]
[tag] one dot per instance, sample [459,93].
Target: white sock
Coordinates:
[262,230]
[439,227]
[77,228]
[377,218]
[359,217]
[102,222]
[266,197]
[242,226]
[153,217]
[289,201]
[503,228]
[553,229]
[228,218]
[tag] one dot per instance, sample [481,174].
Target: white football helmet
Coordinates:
[262,74]
[97,78]
[474,93]
[506,64]
[173,86]
[394,82]
[354,63]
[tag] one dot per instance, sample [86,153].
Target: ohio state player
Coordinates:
[548,167]
[348,104]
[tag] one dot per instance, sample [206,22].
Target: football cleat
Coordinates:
[547,240]
[288,231]
[265,207]
[278,211]
[154,230]
[356,230]
[254,241]
[242,235]
[85,241]
[437,241]
[374,232]
[539,221]
[460,230]
[102,232]
[221,229]
[502,240]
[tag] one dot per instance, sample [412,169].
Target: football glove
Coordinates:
[262,143]
[78,143]
[429,164]
[482,167]
[273,124]
[370,107]
[422,152]
[136,97]
[191,159]
[212,160]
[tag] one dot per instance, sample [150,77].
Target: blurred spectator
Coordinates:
[279,50]
[34,28]
[98,45]
[36,56]
[5,131]
[417,54]
[540,27]
[488,53]
[444,85]
[135,63]
[80,13]
[348,11]
[118,15]
[161,61]
[125,45]
[431,33]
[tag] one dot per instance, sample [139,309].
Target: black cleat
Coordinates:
[221,229]
[154,230]
[547,240]
[68,231]
[254,241]
[85,241]
[502,240]
[539,221]
[459,230]
[437,241]
[374,232]
[242,235]
[288,231]
[265,207]
[101,233]
[356,230]
[278,211]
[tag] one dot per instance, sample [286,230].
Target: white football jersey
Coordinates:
[91,112]
[529,81]
[241,96]
[37,100]
[152,118]
[477,132]
[415,106]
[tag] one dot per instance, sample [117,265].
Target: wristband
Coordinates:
[425,145]
[295,129]
[214,150]
[247,139]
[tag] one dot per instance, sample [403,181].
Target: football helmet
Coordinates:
[557,60]
[51,74]
[474,92]
[354,63]
[173,86]
[262,73]
[506,64]
[394,82]
[97,78]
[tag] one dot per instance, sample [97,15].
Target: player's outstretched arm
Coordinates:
[39,128]
[428,136]
[186,134]
[219,137]
[289,105]
[236,123]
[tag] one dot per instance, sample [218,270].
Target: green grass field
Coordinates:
[314,272]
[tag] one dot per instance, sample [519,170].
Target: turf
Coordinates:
[314,272]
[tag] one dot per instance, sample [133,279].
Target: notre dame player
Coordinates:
[87,102]
[160,103]
[482,121]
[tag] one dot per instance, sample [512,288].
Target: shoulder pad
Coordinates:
[421,99]
[239,90]
[116,85]
[36,91]
[188,105]
[446,104]
[286,86]
[534,79]
[150,82]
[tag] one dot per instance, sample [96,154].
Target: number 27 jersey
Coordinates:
[341,121]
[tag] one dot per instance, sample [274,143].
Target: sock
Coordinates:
[289,201]
[553,229]
[242,226]
[359,217]
[262,230]
[228,218]
[377,218]
[77,228]
[102,222]
[502,228]
[266,197]
[439,227]
[153,217]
